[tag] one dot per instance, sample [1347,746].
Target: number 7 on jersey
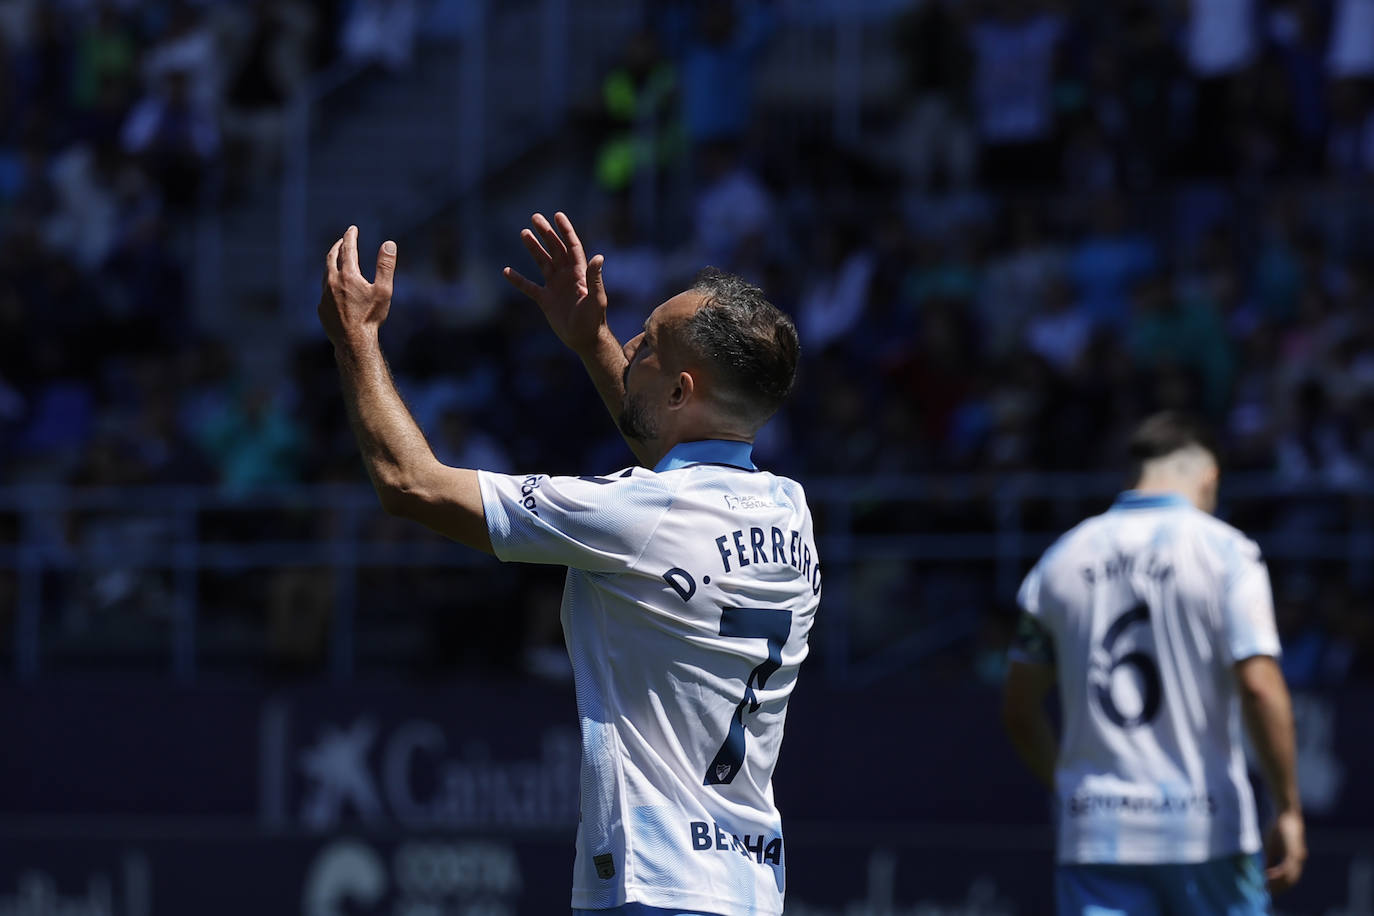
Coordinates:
[773,625]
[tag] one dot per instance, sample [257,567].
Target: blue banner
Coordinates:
[146,799]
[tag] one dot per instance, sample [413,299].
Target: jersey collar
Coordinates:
[708,451]
[1135,499]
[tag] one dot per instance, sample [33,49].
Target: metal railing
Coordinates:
[863,524]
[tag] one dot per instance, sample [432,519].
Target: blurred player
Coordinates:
[693,580]
[1158,623]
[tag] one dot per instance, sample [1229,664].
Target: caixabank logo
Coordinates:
[367,769]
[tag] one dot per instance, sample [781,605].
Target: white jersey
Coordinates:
[1144,610]
[691,590]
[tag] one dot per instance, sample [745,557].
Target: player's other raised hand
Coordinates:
[573,298]
[348,303]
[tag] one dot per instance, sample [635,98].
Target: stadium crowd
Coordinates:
[1068,215]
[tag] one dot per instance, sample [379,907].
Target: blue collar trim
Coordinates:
[708,451]
[1134,499]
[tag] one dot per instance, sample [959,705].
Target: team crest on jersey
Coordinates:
[722,771]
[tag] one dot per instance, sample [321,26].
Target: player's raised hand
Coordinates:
[573,297]
[1285,849]
[348,303]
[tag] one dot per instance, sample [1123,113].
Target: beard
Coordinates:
[636,421]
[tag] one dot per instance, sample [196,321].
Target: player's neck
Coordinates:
[659,450]
[696,426]
[1169,484]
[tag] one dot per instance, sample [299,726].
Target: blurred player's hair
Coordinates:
[750,344]
[1169,432]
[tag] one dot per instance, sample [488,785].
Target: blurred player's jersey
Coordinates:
[1144,610]
[691,589]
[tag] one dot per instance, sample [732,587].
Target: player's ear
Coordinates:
[682,392]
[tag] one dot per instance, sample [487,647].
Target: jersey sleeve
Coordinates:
[1247,608]
[1028,597]
[1033,642]
[598,524]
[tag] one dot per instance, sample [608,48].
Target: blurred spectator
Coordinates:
[1221,36]
[43,59]
[1298,38]
[454,285]
[1108,260]
[1183,337]
[1060,333]
[381,32]
[1019,275]
[1316,445]
[837,292]
[641,129]
[268,71]
[1222,42]
[1149,71]
[939,140]
[1351,54]
[1350,145]
[1014,48]
[251,441]
[733,208]
[176,136]
[717,62]
[458,444]
[84,223]
[634,272]
[187,51]
[106,54]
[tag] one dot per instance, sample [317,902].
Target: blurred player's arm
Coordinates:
[573,299]
[409,480]
[1268,710]
[1026,720]
[1030,677]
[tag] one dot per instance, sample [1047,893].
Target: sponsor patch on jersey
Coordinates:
[748,502]
[605,866]
[527,488]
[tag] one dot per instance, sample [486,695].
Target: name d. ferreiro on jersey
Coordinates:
[770,545]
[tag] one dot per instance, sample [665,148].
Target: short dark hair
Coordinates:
[750,343]
[1167,432]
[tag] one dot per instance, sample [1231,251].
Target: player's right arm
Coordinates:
[1268,710]
[409,480]
[573,300]
[1031,675]
[1252,644]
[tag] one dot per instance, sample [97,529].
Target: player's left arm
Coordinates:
[573,300]
[1252,641]
[409,480]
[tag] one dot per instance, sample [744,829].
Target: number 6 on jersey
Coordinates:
[773,625]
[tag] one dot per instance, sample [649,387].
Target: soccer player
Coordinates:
[693,578]
[1158,623]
